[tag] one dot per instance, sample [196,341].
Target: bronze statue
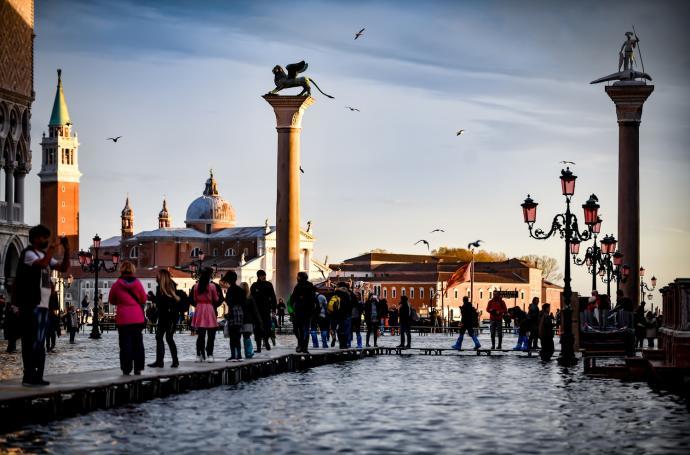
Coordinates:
[290,79]
[626,58]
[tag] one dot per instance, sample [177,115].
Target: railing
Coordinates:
[10,213]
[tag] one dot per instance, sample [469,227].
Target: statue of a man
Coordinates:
[626,53]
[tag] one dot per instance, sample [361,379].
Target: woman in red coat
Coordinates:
[129,297]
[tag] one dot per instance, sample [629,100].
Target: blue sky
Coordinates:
[181,81]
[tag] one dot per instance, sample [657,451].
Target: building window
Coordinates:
[385,293]
[481,294]
[229,252]
[63,203]
[522,295]
[246,252]
[195,252]
[431,293]
[403,292]
[134,252]
[412,293]
[215,252]
[421,293]
[393,293]
[456,294]
[63,188]
[62,220]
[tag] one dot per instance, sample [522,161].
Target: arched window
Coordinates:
[481,294]
[215,252]
[134,253]
[522,295]
[195,252]
[385,293]
[455,294]
[229,252]
[421,293]
[431,293]
[412,293]
[393,293]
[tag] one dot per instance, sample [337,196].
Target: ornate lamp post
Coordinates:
[91,263]
[565,225]
[595,254]
[643,285]
[196,265]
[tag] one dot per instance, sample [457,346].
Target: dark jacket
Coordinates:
[368,307]
[251,313]
[236,296]
[357,307]
[545,326]
[469,315]
[169,308]
[265,297]
[304,299]
[383,308]
[27,285]
[405,314]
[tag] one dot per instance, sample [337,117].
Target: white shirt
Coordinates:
[32,256]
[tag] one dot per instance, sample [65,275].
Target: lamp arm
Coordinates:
[556,226]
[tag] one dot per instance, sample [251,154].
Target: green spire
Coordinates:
[60,116]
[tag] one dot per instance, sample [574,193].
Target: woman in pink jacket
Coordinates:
[129,297]
[206,297]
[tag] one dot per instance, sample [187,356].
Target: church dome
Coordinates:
[210,212]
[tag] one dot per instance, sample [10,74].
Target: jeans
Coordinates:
[235,342]
[33,344]
[131,343]
[72,334]
[302,329]
[165,329]
[405,331]
[345,332]
[281,320]
[356,324]
[201,340]
[495,327]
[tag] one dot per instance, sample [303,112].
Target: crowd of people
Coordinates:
[251,314]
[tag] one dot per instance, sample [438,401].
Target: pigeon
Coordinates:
[114,139]
[437,230]
[567,162]
[424,242]
[460,132]
[301,170]
[359,33]
[474,244]
[352,108]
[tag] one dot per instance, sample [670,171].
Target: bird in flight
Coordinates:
[352,108]
[424,242]
[114,139]
[301,170]
[474,244]
[437,230]
[460,132]
[567,162]
[359,33]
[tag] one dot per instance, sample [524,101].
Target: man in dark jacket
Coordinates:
[469,320]
[546,332]
[405,317]
[344,315]
[32,290]
[265,298]
[303,300]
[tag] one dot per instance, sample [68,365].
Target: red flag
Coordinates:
[461,275]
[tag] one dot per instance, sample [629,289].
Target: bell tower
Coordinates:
[164,220]
[127,221]
[60,174]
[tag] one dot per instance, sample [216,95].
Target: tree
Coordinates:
[465,255]
[547,265]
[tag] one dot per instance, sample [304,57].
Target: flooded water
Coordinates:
[390,404]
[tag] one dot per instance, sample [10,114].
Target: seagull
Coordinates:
[424,242]
[114,139]
[437,230]
[460,132]
[359,33]
[474,244]
[352,108]
[567,162]
[301,170]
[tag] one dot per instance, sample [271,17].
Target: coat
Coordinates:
[129,297]
[405,314]
[303,300]
[265,297]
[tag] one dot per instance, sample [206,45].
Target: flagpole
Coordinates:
[472,279]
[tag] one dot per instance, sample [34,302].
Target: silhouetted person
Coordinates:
[546,332]
[303,300]
[405,317]
[469,321]
[496,309]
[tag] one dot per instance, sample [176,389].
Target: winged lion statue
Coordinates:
[289,79]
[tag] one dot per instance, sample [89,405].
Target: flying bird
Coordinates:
[437,230]
[460,132]
[114,139]
[352,108]
[474,244]
[359,33]
[424,242]
[301,170]
[567,162]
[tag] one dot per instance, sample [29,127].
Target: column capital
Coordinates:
[629,99]
[289,109]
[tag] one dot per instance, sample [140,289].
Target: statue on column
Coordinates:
[626,58]
[287,80]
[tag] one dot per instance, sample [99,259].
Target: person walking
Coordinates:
[523,325]
[84,309]
[546,332]
[205,298]
[371,316]
[265,298]
[303,300]
[356,319]
[533,318]
[281,312]
[405,316]
[170,302]
[72,323]
[129,297]
[323,321]
[250,318]
[496,309]
[469,322]
[53,326]
[32,290]
[236,299]
[640,326]
[383,314]
[344,314]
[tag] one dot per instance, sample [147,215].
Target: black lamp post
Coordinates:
[615,270]
[643,285]
[565,225]
[196,266]
[91,263]
[595,254]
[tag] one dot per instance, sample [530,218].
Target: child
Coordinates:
[234,320]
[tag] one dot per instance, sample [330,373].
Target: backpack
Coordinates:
[414,316]
[333,305]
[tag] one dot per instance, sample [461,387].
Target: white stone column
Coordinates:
[288,111]
[19,176]
[9,189]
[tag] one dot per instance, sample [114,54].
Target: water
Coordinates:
[389,404]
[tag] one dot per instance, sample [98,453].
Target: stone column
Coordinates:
[19,176]
[629,98]
[288,111]
[9,189]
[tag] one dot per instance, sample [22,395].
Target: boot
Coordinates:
[476,342]
[458,343]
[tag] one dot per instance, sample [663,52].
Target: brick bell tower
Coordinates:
[60,173]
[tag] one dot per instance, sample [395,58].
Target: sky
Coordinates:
[181,82]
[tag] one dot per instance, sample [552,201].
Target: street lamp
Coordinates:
[196,266]
[643,285]
[91,263]
[566,226]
